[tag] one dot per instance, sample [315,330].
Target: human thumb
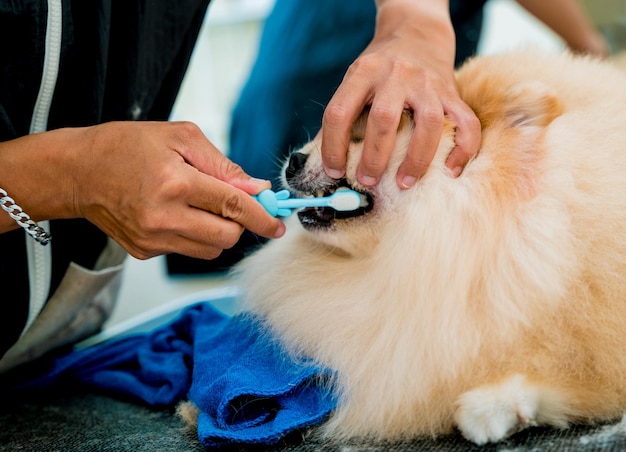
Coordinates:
[211,161]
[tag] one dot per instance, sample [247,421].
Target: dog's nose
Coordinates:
[296,164]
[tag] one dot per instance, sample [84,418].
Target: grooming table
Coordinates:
[74,420]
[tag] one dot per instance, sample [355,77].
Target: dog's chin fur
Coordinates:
[489,302]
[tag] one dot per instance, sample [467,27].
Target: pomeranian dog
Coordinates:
[489,302]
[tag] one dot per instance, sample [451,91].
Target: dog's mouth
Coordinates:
[324,217]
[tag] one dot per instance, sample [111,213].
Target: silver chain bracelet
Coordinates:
[23,219]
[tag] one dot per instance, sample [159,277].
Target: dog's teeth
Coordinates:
[364,202]
[319,193]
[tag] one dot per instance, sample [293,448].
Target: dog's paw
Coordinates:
[189,413]
[491,413]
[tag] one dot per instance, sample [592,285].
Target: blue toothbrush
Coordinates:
[279,203]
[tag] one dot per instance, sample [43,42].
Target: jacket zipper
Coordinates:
[40,257]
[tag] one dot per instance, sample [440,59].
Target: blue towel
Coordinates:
[248,390]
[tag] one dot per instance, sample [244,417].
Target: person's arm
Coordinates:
[154,187]
[408,65]
[568,19]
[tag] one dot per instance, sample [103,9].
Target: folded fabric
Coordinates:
[248,390]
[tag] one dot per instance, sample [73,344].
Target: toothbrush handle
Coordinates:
[295,203]
[279,204]
[270,202]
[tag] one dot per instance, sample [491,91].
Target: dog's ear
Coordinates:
[531,104]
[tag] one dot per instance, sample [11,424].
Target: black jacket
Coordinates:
[119,60]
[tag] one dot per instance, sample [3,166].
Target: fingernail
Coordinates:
[258,181]
[368,180]
[408,181]
[260,184]
[456,172]
[335,174]
[280,231]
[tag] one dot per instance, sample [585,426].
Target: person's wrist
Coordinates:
[81,156]
[71,153]
[57,154]
[428,16]
[425,28]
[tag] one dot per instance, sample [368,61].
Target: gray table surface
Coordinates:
[80,421]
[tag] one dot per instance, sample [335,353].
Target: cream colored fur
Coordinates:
[490,302]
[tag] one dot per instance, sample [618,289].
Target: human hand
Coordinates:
[569,20]
[158,187]
[408,65]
